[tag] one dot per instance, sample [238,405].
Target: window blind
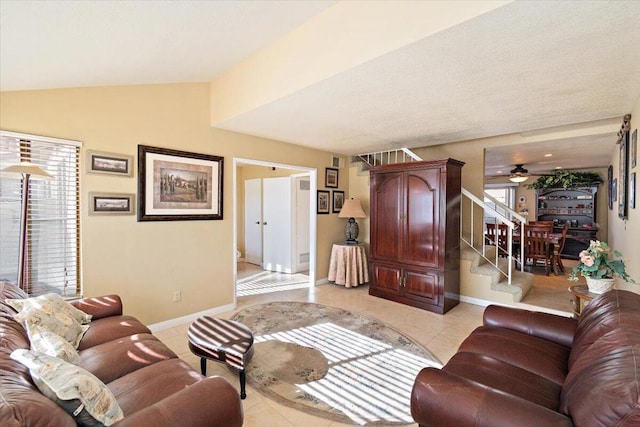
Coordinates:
[53,231]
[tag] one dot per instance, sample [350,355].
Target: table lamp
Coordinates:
[351,209]
[24,170]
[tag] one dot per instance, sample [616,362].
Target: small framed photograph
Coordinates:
[111,204]
[610,186]
[177,185]
[614,189]
[632,191]
[634,149]
[323,202]
[338,201]
[109,163]
[331,178]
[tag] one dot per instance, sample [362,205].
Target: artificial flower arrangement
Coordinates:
[596,262]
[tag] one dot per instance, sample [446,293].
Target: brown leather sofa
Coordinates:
[524,368]
[151,385]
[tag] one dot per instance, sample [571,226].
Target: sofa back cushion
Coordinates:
[611,310]
[603,385]
[12,334]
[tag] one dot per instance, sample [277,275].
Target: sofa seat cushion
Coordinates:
[122,356]
[539,356]
[505,377]
[111,328]
[147,386]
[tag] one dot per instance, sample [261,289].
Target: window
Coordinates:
[53,232]
[503,193]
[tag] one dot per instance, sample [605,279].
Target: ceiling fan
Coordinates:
[519,174]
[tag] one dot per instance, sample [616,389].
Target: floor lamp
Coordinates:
[24,170]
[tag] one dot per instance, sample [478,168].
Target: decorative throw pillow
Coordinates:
[77,391]
[51,344]
[59,323]
[51,303]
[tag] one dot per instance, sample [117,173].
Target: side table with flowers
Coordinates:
[599,266]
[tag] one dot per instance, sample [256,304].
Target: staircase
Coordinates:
[484,276]
[486,282]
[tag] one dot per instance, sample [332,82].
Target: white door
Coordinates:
[253,221]
[277,225]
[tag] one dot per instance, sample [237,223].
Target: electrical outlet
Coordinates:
[177,296]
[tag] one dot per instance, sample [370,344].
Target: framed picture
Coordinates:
[338,201]
[634,149]
[331,178]
[177,185]
[623,176]
[323,202]
[610,186]
[109,163]
[111,204]
[632,191]
[614,189]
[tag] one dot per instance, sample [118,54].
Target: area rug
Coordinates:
[333,363]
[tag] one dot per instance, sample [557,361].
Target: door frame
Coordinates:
[313,175]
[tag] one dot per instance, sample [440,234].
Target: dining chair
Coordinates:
[497,233]
[557,250]
[538,245]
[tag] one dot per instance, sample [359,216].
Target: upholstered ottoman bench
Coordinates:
[224,341]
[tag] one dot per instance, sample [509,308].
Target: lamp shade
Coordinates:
[352,209]
[518,178]
[26,168]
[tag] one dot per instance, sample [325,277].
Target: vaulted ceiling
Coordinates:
[513,67]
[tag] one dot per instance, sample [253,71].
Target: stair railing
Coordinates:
[388,157]
[499,218]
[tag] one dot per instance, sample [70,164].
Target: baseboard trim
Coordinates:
[324,281]
[476,301]
[189,318]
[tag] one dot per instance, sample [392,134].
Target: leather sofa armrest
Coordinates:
[558,329]
[99,307]
[212,402]
[442,399]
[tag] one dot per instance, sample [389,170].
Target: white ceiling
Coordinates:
[522,67]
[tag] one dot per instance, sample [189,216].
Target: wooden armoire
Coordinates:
[415,233]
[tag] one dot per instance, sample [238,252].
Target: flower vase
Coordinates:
[599,286]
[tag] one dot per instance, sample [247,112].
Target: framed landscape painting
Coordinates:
[111,204]
[109,163]
[178,185]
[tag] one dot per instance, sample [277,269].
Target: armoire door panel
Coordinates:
[423,204]
[386,278]
[422,285]
[386,223]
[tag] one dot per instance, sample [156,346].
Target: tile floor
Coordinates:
[440,334]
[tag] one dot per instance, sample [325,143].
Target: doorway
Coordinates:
[272,254]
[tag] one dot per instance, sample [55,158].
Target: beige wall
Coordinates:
[145,262]
[624,235]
